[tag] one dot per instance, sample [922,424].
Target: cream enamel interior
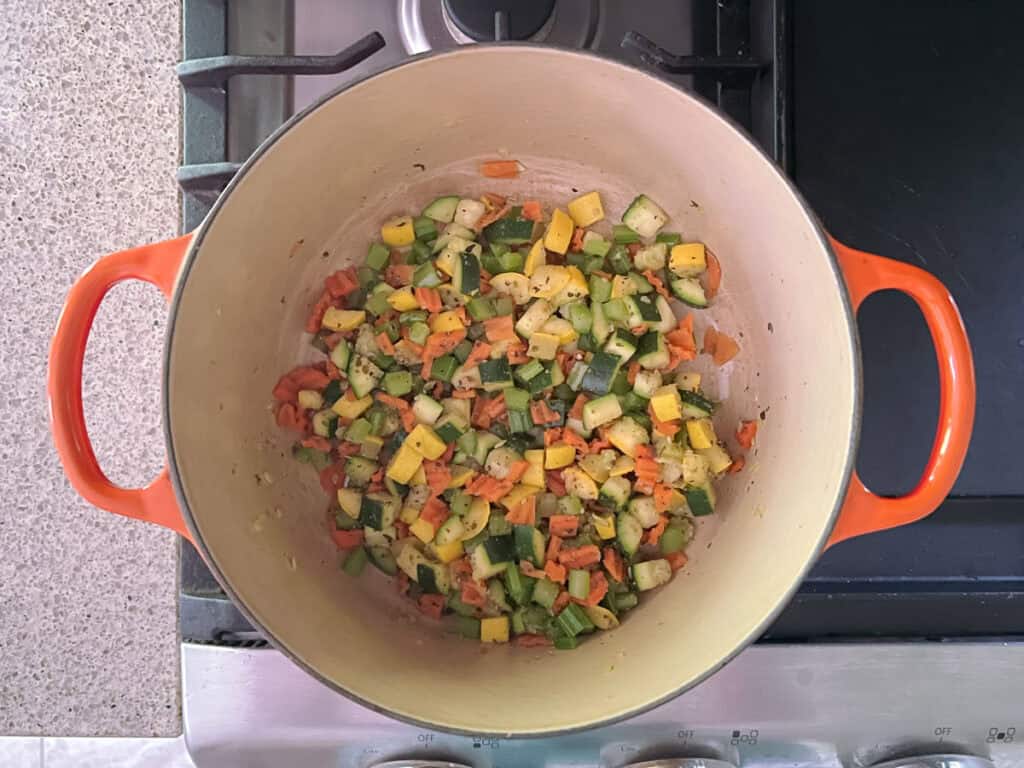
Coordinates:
[309,205]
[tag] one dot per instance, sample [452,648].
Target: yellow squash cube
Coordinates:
[701,433]
[404,464]
[403,300]
[445,262]
[517,494]
[605,526]
[460,476]
[494,630]
[409,515]
[559,455]
[535,474]
[512,284]
[350,501]
[446,553]
[690,381]
[425,442]
[537,257]
[398,232]
[586,209]
[548,280]
[420,478]
[623,285]
[543,346]
[446,321]
[422,530]
[622,466]
[666,404]
[343,319]
[559,232]
[576,288]
[562,328]
[687,259]
[351,409]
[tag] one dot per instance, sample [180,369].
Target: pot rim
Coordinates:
[470,50]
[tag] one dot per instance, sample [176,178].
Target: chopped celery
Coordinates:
[623,235]
[378,255]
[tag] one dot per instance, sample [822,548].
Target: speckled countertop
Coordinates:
[88,145]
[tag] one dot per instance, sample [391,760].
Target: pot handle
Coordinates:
[157,264]
[863,511]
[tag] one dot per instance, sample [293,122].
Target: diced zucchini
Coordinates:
[643,509]
[615,491]
[600,372]
[533,318]
[652,351]
[466,278]
[648,309]
[689,291]
[622,344]
[626,435]
[500,460]
[341,354]
[629,532]
[700,498]
[601,410]
[695,405]
[383,560]
[363,376]
[510,231]
[483,567]
[426,409]
[646,382]
[468,212]
[529,544]
[451,530]
[651,574]
[442,209]
[644,216]
[717,458]
[600,328]
[495,374]
[579,485]
[667,321]
[652,257]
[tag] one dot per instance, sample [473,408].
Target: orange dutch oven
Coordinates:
[306,204]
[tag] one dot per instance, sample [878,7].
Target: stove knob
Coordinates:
[684,762]
[420,764]
[937,761]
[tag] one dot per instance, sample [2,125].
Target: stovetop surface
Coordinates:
[905,139]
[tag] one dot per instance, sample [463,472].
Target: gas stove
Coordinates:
[896,124]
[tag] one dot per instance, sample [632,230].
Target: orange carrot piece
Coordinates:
[662,497]
[435,512]
[348,539]
[481,351]
[614,564]
[317,311]
[746,433]
[385,344]
[714,274]
[438,476]
[516,353]
[399,275]
[653,535]
[349,449]
[655,281]
[555,572]
[541,413]
[432,605]
[523,513]
[737,464]
[500,328]
[725,348]
[493,200]
[500,169]
[342,282]
[677,560]
[552,436]
[464,394]
[492,216]
[473,594]
[317,443]
[554,545]
[668,428]
[496,407]
[308,377]
[580,557]
[598,589]
[290,417]
[479,417]
[561,601]
[576,244]
[391,401]
[532,211]
[632,371]
[428,298]
[563,525]
[517,470]
[570,437]
[576,412]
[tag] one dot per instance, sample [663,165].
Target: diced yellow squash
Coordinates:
[460,476]
[687,259]
[310,398]
[494,630]
[403,300]
[605,526]
[409,515]
[623,465]
[343,319]
[446,553]
[512,284]
[534,318]
[666,404]
[676,501]
[701,433]
[517,494]
[398,232]
[422,530]
[476,519]
[562,328]
[420,478]
[578,483]
[451,297]
[404,464]
[535,474]
[371,446]
[548,280]
[351,409]
[425,442]
[543,346]
[623,285]
[537,257]
[573,290]
[690,381]
[559,232]
[559,455]
[586,209]
[446,321]
[445,262]
[350,501]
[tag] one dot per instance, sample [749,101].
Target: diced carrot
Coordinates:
[402,583]
[481,351]
[576,244]
[555,572]
[342,283]
[308,377]
[492,216]
[563,525]
[668,428]
[523,513]
[496,407]
[349,449]
[532,641]
[399,275]
[632,371]
[492,200]
[432,605]
[552,436]
[385,344]
[554,545]
[683,335]
[655,281]
[542,413]
[500,169]
[580,557]
[517,470]
[446,457]
[438,476]
[479,417]
[598,589]
[285,390]
[677,560]
[348,539]
[290,417]
[561,601]
[677,355]
[473,594]
[391,401]
[401,530]
[428,298]
[714,275]
[596,446]
[746,433]
[662,497]
[461,568]
[653,535]
[333,372]
[317,443]
[570,437]
[532,211]
[443,342]
[720,346]
[737,464]
[554,482]
[576,412]
[614,564]
[516,353]
[488,488]
[332,478]
[317,311]
[435,512]
[500,328]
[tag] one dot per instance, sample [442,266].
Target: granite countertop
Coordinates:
[88,146]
